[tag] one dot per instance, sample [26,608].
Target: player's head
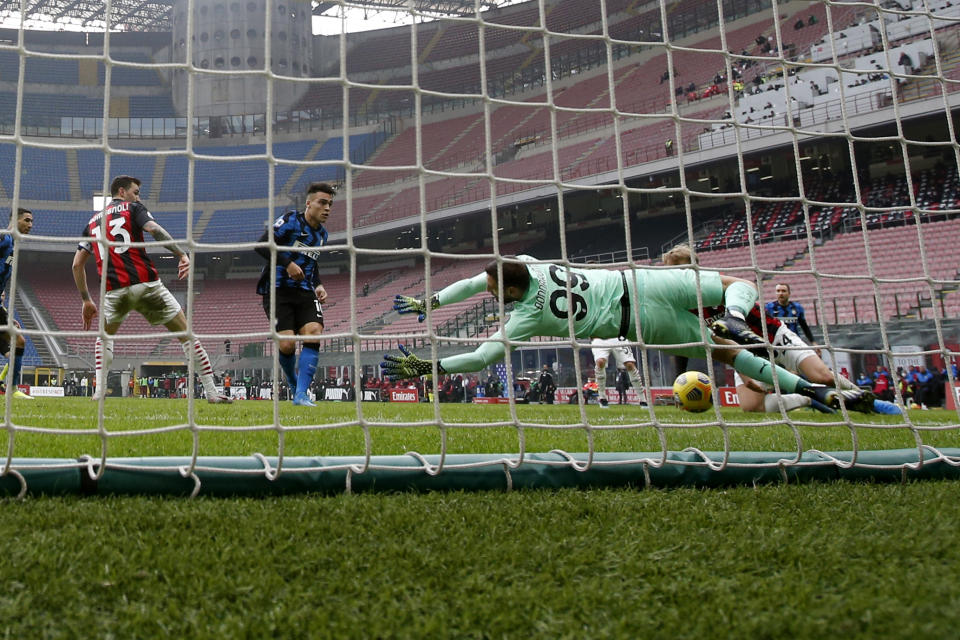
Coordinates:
[679,254]
[516,280]
[783,293]
[24,220]
[319,201]
[126,188]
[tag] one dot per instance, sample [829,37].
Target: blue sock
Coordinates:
[309,355]
[889,408]
[289,365]
[15,374]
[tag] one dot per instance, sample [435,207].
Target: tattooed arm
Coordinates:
[162,235]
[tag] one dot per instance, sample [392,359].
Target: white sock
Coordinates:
[791,401]
[601,382]
[201,365]
[637,384]
[103,358]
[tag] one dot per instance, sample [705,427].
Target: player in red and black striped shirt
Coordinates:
[132,282]
[122,221]
[789,351]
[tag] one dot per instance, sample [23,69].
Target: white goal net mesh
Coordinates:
[806,146]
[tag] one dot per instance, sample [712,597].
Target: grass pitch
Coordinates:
[862,560]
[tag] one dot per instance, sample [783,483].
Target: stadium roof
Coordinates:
[155,15]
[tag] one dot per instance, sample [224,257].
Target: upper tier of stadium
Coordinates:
[598,110]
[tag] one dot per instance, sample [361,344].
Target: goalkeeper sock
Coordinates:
[288,362]
[791,401]
[739,298]
[18,364]
[309,355]
[760,369]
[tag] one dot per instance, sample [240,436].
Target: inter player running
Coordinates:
[24,225]
[299,292]
[602,303]
[132,281]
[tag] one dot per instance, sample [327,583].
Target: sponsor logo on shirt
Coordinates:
[313,254]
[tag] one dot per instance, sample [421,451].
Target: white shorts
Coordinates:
[604,348]
[151,299]
[789,359]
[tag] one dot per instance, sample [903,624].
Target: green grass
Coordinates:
[135,427]
[851,559]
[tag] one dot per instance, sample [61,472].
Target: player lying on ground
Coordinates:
[602,303]
[789,352]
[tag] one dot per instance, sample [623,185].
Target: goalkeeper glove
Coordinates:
[409,366]
[406,304]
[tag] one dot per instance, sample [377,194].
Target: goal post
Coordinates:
[804,144]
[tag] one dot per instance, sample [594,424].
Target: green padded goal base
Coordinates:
[259,475]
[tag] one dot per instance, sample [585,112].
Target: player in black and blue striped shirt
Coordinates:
[24,225]
[299,292]
[789,312]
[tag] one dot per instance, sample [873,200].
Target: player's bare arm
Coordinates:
[162,235]
[89,310]
[321,293]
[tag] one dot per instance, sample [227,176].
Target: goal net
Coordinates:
[806,147]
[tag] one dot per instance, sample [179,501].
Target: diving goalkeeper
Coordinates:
[602,303]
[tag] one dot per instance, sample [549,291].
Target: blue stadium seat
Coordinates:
[39,70]
[65,224]
[90,163]
[43,174]
[152,107]
[129,76]
[362,146]
[238,225]
[231,180]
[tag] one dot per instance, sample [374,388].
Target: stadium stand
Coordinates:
[38,70]
[456,140]
[43,174]
[894,255]
[129,76]
[90,165]
[238,225]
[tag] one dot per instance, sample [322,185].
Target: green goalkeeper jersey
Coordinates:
[662,301]
[594,303]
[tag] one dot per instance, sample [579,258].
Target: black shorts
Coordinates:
[296,308]
[4,336]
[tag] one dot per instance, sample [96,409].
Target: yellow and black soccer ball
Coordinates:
[693,391]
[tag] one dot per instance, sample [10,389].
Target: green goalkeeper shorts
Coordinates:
[667,298]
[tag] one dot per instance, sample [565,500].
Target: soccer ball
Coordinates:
[692,390]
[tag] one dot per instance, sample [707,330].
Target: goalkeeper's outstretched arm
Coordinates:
[518,328]
[456,292]
[410,366]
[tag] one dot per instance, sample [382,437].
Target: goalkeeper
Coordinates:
[602,303]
